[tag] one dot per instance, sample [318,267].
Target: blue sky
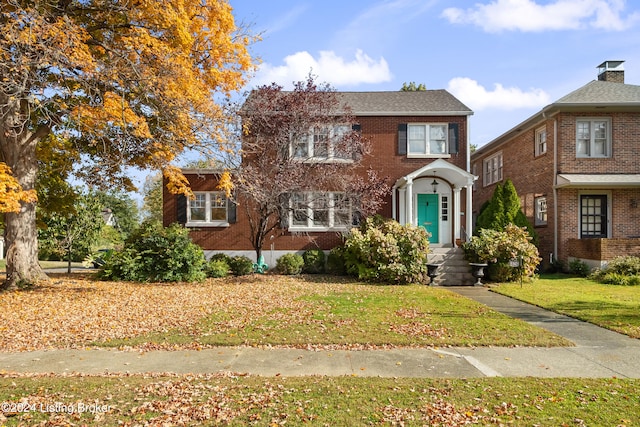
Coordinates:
[505,59]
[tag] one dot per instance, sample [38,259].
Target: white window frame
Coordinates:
[541,140]
[309,199]
[590,142]
[540,213]
[332,132]
[210,198]
[429,143]
[492,169]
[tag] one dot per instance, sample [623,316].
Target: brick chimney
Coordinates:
[611,71]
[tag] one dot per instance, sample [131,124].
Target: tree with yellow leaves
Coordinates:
[125,83]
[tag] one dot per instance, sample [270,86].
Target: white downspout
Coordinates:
[555,190]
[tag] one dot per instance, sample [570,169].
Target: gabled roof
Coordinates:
[606,96]
[400,103]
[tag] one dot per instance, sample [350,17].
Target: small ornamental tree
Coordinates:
[277,161]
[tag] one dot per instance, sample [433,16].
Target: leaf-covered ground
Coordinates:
[304,312]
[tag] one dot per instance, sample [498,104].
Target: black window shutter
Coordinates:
[232,209]
[356,215]
[356,154]
[454,146]
[181,206]
[402,138]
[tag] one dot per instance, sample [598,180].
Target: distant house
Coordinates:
[576,167]
[419,140]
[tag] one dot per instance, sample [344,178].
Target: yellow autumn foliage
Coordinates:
[11,192]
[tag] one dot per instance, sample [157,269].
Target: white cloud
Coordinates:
[328,67]
[529,16]
[477,97]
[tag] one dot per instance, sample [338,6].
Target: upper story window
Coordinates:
[319,211]
[540,211]
[427,139]
[593,138]
[321,143]
[207,208]
[541,140]
[493,169]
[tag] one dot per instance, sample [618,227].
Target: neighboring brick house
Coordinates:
[417,139]
[576,167]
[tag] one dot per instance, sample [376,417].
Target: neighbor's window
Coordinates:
[541,140]
[540,211]
[427,139]
[493,169]
[320,210]
[593,138]
[321,143]
[207,208]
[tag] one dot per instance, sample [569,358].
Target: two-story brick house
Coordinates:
[419,142]
[576,167]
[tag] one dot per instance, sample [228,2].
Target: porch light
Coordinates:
[434,185]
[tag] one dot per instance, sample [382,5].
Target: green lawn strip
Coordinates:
[610,306]
[237,401]
[362,315]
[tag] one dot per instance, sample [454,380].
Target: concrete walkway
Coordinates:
[598,353]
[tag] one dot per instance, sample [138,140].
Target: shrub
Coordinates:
[499,247]
[314,260]
[240,265]
[159,254]
[217,268]
[624,270]
[386,251]
[290,264]
[579,268]
[220,256]
[335,261]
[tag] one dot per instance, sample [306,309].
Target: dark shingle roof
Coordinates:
[601,92]
[397,103]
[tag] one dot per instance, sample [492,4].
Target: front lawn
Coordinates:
[610,306]
[305,311]
[225,399]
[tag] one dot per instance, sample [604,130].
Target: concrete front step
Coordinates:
[454,268]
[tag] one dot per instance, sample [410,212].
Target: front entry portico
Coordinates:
[430,197]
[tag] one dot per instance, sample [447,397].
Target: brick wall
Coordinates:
[382,132]
[533,175]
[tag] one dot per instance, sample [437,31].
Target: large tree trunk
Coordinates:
[21,235]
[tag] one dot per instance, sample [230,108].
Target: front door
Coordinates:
[428,208]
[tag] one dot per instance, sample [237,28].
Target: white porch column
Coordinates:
[402,197]
[393,203]
[409,200]
[469,210]
[456,213]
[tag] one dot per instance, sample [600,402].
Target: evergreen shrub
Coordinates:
[290,264]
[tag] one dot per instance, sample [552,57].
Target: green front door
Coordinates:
[428,215]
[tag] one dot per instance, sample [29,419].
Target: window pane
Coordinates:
[340,149]
[321,142]
[197,207]
[437,139]
[218,207]
[301,147]
[298,202]
[320,206]
[341,210]
[417,139]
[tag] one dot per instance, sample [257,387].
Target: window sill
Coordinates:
[428,156]
[298,229]
[331,160]
[219,224]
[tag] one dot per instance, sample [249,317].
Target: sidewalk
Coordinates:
[598,353]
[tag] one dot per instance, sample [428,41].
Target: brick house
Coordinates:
[419,142]
[576,167]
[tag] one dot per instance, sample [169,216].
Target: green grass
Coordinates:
[360,315]
[318,401]
[45,264]
[610,306]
